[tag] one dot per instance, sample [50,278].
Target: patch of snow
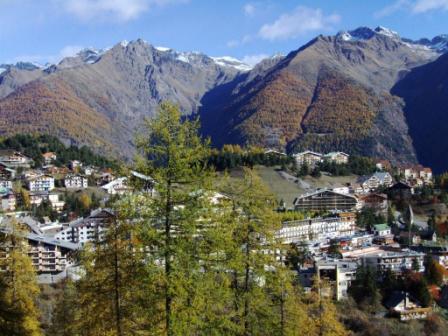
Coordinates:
[353,36]
[417,46]
[124,43]
[229,59]
[183,58]
[231,62]
[163,49]
[2,70]
[346,36]
[277,55]
[387,32]
[37,65]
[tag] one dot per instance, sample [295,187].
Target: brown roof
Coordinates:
[48,154]
[373,196]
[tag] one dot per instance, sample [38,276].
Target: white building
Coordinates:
[338,157]
[89,229]
[41,183]
[317,228]
[13,159]
[406,307]
[416,175]
[49,157]
[6,184]
[375,181]
[341,189]
[308,157]
[72,181]
[118,186]
[339,274]
[75,164]
[9,202]
[395,261]
[36,199]
[381,230]
[89,170]
[384,178]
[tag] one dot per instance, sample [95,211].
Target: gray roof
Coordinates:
[45,240]
[32,224]
[142,176]
[381,175]
[93,214]
[52,241]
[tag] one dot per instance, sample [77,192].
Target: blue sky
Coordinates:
[47,30]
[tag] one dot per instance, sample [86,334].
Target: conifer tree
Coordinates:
[176,157]
[110,290]
[323,312]
[64,317]
[20,290]
[266,297]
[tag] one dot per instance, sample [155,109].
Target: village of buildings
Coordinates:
[53,245]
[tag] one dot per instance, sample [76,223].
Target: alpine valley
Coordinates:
[366,91]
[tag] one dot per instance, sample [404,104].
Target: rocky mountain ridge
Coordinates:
[334,93]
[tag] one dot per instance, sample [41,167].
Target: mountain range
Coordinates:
[365,91]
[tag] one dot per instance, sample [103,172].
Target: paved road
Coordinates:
[302,184]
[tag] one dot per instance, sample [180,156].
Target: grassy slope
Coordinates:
[288,190]
[280,187]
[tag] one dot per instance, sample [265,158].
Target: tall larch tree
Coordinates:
[252,254]
[110,291]
[176,157]
[19,280]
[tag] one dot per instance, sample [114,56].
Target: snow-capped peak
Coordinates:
[438,44]
[232,62]
[387,32]
[366,33]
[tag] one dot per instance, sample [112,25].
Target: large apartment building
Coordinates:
[325,200]
[48,255]
[396,261]
[343,224]
[13,159]
[41,183]
[75,181]
[89,229]
[308,157]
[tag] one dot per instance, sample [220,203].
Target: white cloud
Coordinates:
[254,59]
[67,51]
[301,21]
[415,7]
[391,9]
[70,50]
[235,43]
[121,10]
[423,6]
[249,9]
